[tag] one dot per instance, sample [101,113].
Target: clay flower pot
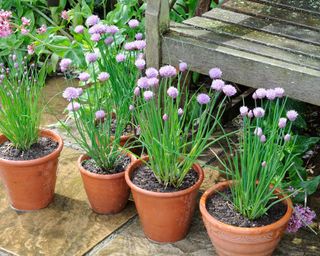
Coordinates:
[107,194]
[165,217]
[231,240]
[30,184]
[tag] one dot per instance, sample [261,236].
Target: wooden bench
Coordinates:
[260,43]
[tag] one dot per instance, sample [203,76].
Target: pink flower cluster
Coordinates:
[135,45]
[5,27]
[72,93]
[64,64]
[219,85]
[270,94]
[301,217]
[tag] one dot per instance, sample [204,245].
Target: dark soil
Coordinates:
[91,166]
[143,177]
[220,206]
[43,147]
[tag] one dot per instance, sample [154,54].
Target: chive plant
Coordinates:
[256,166]
[173,131]
[20,94]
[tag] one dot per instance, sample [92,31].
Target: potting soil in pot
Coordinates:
[143,177]
[43,147]
[220,207]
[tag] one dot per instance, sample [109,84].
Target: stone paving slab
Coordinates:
[66,227]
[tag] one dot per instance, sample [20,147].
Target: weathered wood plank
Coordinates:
[200,33]
[275,13]
[157,21]
[273,27]
[243,68]
[257,36]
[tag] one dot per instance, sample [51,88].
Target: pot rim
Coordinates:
[54,154]
[102,176]
[240,230]
[140,161]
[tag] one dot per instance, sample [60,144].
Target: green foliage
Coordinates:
[20,110]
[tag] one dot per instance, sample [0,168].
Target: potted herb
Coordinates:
[175,129]
[96,132]
[28,154]
[248,214]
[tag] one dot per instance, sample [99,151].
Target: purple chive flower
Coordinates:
[263,138]
[73,106]
[120,57]
[103,76]
[292,115]
[215,73]
[271,94]
[71,93]
[100,114]
[168,71]
[148,95]
[173,92]
[287,137]
[140,64]
[261,93]
[113,29]
[217,84]
[152,72]
[203,99]
[258,112]
[264,164]
[301,217]
[140,56]
[153,82]
[165,117]
[79,29]
[131,107]
[279,92]
[282,122]
[91,57]
[84,76]
[139,36]
[254,96]
[65,64]
[183,66]
[258,131]
[14,57]
[98,29]
[130,46]
[136,91]
[80,91]
[143,82]
[180,112]
[92,20]
[108,40]
[16,65]
[140,44]
[244,110]
[229,90]
[133,23]
[95,37]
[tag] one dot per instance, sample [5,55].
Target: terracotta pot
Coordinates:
[107,194]
[165,217]
[30,184]
[231,240]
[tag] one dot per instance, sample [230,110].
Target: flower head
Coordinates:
[217,84]
[203,99]
[97,29]
[136,91]
[64,15]
[258,131]
[79,29]
[139,36]
[264,164]
[152,72]
[287,137]
[108,40]
[180,112]
[292,115]
[271,94]
[100,114]
[73,106]
[24,31]
[113,29]
[91,57]
[261,93]
[183,66]
[165,117]
[84,76]
[120,57]
[148,95]
[153,82]
[131,107]
[258,112]
[103,76]
[244,110]
[215,73]
[282,122]
[71,93]
[133,23]
[168,71]
[140,44]
[279,92]
[92,20]
[143,82]
[140,64]
[95,37]
[172,92]
[25,21]
[229,90]
[301,217]
[64,64]
[42,29]
[5,27]
[30,49]
[263,138]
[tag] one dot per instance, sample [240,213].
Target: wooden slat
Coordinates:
[243,68]
[274,13]
[238,43]
[312,6]
[273,27]
[257,36]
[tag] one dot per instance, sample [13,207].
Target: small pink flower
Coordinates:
[131,107]
[70,93]
[271,94]
[84,76]
[95,37]
[173,92]
[143,82]
[168,71]
[244,110]
[79,29]
[24,31]
[258,131]
[264,164]
[258,112]
[108,40]
[136,91]
[113,29]
[140,64]
[292,115]
[133,23]
[287,137]
[153,82]
[25,21]
[73,106]
[203,99]
[215,73]
[217,84]
[30,49]
[152,72]
[100,114]
[103,76]
[92,20]
[263,138]
[282,122]
[180,112]
[148,95]
[165,117]
[139,36]
[42,29]
[229,90]
[254,96]
[120,57]
[140,44]
[279,92]
[91,57]
[183,66]
[5,26]
[64,15]
[261,93]
[64,64]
